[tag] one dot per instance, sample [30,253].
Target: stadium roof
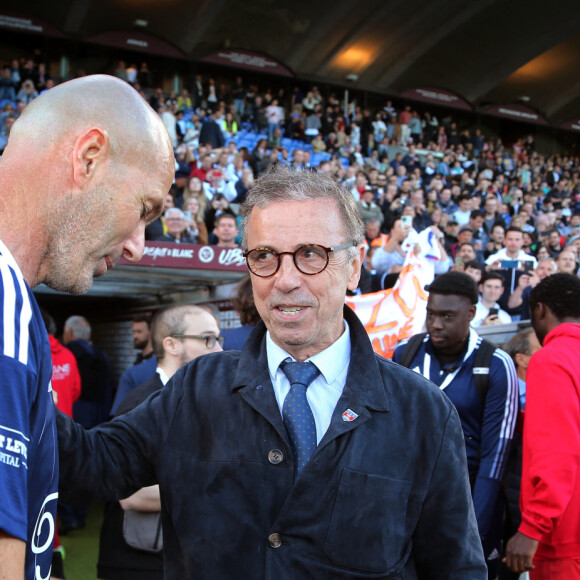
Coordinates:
[488,52]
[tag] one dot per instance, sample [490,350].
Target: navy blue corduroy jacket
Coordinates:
[385,495]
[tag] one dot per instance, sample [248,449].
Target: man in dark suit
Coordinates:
[306,455]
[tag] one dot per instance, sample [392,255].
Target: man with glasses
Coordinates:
[305,455]
[179,334]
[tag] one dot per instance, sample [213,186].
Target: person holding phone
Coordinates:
[512,251]
[504,262]
[487,310]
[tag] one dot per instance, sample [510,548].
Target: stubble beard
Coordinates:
[66,260]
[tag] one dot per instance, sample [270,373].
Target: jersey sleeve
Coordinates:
[15,437]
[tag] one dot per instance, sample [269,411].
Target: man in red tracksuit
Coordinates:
[548,540]
[66,380]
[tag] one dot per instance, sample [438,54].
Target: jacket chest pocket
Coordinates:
[367,529]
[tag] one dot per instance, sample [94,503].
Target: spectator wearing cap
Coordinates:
[177,228]
[450,232]
[464,236]
[215,183]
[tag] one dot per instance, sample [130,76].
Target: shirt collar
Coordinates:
[163,376]
[325,361]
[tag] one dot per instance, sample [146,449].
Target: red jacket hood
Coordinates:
[55,346]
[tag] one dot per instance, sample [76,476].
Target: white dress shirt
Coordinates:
[481,313]
[502,255]
[324,392]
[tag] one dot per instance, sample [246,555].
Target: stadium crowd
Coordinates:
[495,208]
[507,217]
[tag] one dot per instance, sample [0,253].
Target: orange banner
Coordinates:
[393,315]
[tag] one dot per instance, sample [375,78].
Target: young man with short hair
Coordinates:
[447,356]
[547,543]
[487,310]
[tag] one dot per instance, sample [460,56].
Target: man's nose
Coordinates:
[134,245]
[288,275]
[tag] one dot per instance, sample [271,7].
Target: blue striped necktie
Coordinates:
[296,412]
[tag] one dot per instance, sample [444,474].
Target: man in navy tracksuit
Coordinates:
[446,357]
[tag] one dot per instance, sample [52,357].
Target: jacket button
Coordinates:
[275,456]
[275,540]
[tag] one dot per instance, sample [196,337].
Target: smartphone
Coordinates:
[459,260]
[508,264]
[528,266]
[187,215]
[407,220]
[493,312]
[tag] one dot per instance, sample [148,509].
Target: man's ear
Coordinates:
[540,311]
[471,313]
[91,147]
[522,360]
[170,345]
[356,266]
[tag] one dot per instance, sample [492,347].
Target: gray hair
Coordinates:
[284,184]
[519,344]
[80,327]
[174,210]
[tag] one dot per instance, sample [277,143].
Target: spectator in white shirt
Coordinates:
[513,242]
[487,310]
